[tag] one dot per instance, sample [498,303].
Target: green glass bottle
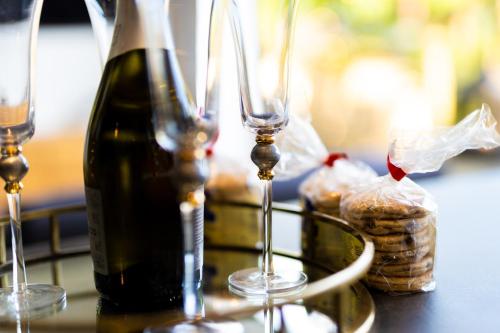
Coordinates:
[132,197]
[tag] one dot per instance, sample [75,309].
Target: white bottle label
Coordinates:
[96,231]
[128,33]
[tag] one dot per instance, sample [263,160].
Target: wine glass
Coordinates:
[263,32]
[19,23]
[102,15]
[185,129]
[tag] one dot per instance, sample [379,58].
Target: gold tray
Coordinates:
[335,258]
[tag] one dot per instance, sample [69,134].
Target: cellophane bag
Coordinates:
[399,215]
[302,150]
[230,181]
[323,189]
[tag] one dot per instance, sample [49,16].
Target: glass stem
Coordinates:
[193,304]
[23,326]
[18,267]
[268,319]
[267,219]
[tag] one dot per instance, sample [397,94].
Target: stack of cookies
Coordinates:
[404,238]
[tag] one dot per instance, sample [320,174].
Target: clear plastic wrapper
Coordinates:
[302,150]
[324,188]
[400,215]
[421,152]
[228,180]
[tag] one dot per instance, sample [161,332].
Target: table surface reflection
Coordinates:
[318,306]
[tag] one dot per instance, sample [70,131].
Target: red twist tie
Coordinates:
[209,151]
[396,172]
[330,160]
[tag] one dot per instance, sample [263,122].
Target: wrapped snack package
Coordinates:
[400,215]
[324,188]
[230,181]
[303,150]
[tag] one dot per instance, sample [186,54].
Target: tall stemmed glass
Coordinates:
[102,15]
[19,22]
[263,32]
[185,129]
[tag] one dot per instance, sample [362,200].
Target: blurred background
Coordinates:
[371,65]
[360,68]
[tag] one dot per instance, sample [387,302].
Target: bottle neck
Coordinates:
[128,32]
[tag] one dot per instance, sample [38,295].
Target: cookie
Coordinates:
[402,257]
[408,269]
[329,200]
[326,203]
[402,242]
[226,186]
[386,227]
[328,211]
[381,209]
[400,284]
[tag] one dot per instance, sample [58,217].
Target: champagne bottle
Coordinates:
[132,198]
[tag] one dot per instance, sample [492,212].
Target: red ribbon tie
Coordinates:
[396,172]
[330,160]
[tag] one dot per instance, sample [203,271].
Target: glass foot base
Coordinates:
[37,300]
[252,282]
[201,326]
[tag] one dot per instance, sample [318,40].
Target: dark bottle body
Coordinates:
[132,198]
[111,318]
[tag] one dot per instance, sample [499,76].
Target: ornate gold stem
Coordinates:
[265,155]
[13,168]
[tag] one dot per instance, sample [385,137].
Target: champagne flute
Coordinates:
[263,38]
[181,127]
[19,23]
[102,15]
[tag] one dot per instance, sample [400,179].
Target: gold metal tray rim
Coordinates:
[338,281]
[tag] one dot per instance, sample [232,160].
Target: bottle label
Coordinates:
[96,231]
[128,34]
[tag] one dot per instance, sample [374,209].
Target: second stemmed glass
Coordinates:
[263,38]
[180,127]
[19,22]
